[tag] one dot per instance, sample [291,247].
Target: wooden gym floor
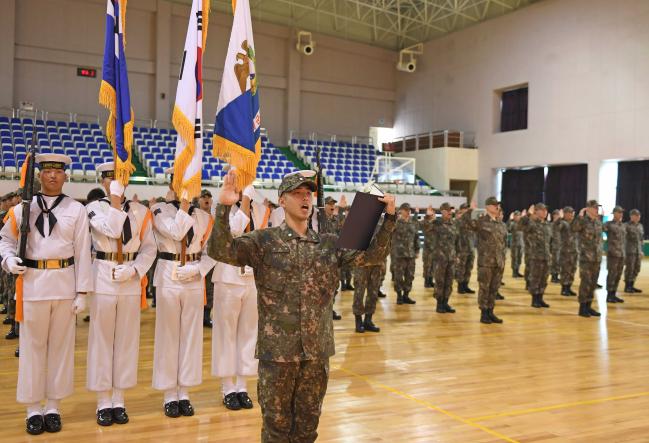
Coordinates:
[543,376]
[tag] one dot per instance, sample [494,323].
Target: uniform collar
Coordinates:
[289,234]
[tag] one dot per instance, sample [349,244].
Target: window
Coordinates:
[513,109]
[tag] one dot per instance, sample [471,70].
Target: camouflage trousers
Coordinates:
[632,267]
[568,268]
[516,255]
[10,292]
[404,273]
[489,279]
[429,264]
[588,274]
[464,266]
[444,272]
[555,263]
[290,396]
[538,276]
[614,266]
[367,279]
[209,287]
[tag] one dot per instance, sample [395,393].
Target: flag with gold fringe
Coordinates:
[188,111]
[237,137]
[114,93]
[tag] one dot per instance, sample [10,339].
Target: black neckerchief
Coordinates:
[127,232]
[190,233]
[45,210]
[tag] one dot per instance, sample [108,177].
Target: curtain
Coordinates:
[521,188]
[566,186]
[633,188]
[513,113]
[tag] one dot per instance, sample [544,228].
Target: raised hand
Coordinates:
[390,203]
[430,211]
[228,195]
[343,201]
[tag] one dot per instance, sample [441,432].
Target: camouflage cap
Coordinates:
[206,193]
[330,201]
[296,179]
[491,201]
[517,213]
[556,212]
[634,212]
[540,206]
[446,207]
[618,209]
[568,209]
[592,204]
[404,207]
[464,206]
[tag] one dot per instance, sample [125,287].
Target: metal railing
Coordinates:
[325,136]
[446,138]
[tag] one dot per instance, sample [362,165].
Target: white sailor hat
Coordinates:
[107,169]
[52,161]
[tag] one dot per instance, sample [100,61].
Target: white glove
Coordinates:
[123,272]
[249,192]
[187,272]
[14,265]
[116,188]
[79,304]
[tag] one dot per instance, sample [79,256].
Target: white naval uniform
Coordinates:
[114,332]
[47,332]
[234,332]
[178,348]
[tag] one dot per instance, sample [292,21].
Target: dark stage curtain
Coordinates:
[566,186]
[513,114]
[521,188]
[633,188]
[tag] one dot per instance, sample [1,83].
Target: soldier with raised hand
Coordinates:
[634,252]
[616,235]
[429,247]
[405,248]
[491,233]
[555,246]
[569,252]
[465,254]
[516,246]
[537,232]
[589,230]
[447,238]
[293,266]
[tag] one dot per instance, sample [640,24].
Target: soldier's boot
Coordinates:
[399,298]
[564,290]
[583,310]
[440,309]
[542,302]
[7,320]
[381,294]
[484,316]
[427,282]
[359,323]
[570,291]
[499,296]
[349,286]
[610,297]
[591,311]
[13,333]
[535,301]
[407,300]
[493,317]
[4,309]
[467,289]
[636,290]
[461,287]
[517,273]
[628,287]
[369,325]
[336,316]
[618,299]
[448,307]
[17,352]
[555,278]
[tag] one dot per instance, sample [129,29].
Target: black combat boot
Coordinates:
[4,310]
[369,325]
[636,290]
[13,333]
[440,309]
[493,317]
[461,287]
[382,294]
[583,310]
[542,303]
[359,323]
[427,282]
[336,316]
[499,296]
[484,316]
[407,300]
[628,287]
[610,297]
[570,291]
[448,307]
[564,290]
[555,278]
[467,289]
[517,274]
[399,298]
[591,311]
[535,301]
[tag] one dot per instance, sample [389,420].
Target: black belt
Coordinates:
[112,256]
[52,263]
[176,257]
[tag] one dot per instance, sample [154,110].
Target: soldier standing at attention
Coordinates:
[205,202]
[569,253]
[589,230]
[334,219]
[465,254]
[634,252]
[555,246]
[293,266]
[405,248]
[616,235]
[57,274]
[446,240]
[491,234]
[538,234]
[516,243]
[429,247]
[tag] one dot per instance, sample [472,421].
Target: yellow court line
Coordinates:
[559,406]
[428,405]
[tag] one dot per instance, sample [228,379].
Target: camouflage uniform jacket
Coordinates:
[517,234]
[634,238]
[405,239]
[294,285]
[465,245]
[568,239]
[333,224]
[556,234]
[491,239]
[590,238]
[447,237]
[427,227]
[538,234]
[616,235]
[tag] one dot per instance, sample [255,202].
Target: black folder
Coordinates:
[361,222]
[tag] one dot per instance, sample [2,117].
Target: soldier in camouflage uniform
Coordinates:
[537,234]
[334,220]
[555,246]
[568,254]
[634,252]
[205,203]
[293,266]
[516,246]
[589,230]
[616,235]
[447,238]
[429,248]
[9,281]
[491,234]
[4,298]
[405,247]
[465,254]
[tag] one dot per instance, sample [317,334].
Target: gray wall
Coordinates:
[343,88]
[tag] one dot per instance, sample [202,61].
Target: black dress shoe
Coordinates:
[186,408]
[120,416]
[105,417]
[12,334]
[172,409]
[17,353]
[86,318]
[244,400]
[53,422]
[231,401]
[35,425]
